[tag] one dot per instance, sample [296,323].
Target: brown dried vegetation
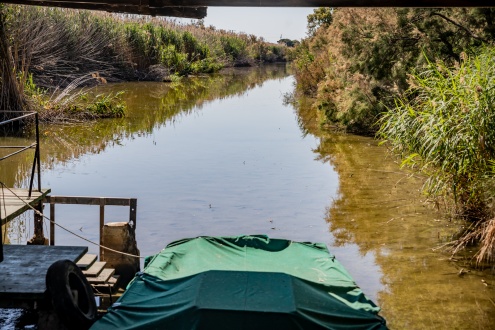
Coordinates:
[360,68]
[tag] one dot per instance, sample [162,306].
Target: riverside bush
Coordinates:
[356,67]
[356,61]
[444,126]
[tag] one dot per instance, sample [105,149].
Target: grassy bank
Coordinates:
[444,126]
[52,49]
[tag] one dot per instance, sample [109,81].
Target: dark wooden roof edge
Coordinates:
[197,8]
[323,3]
[120,7]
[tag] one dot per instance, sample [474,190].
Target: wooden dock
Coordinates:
[24,267]
[23,271]
[15,201]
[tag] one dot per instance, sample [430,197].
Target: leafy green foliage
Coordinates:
[107,106]
[309,68]
[84,106]
[158,44]
[367,53]
[289,42]
[55,49]
[60,45]
[445,125]
[235,48]
[320,17]
[441,120]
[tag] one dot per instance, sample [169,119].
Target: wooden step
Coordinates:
[103,277]
[95,269]
[111,286]
[86,261]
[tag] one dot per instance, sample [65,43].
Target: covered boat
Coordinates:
[244,282]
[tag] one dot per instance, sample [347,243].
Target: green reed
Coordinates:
[444,126]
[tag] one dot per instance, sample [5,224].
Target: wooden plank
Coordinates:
[110,286]
[95,269]
[322,3]
[15,201]
[86,261]
[103,277]
[85,200]
[23,271]
[116,6]
[133,213]
[113,280]
[197,8]
[52,224]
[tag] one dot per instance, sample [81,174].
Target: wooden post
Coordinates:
[132,213]
[120,236]
[38,238]
[102,223]
[52,223]
[1,241]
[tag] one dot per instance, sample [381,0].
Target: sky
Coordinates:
[269,23]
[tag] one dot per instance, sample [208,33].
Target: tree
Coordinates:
[320,17]
[288,42]
[368,53]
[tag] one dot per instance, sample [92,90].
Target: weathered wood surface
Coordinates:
[13,202]
[84,200]
[86,261]
[323,3]
[95,269]
[197,8]
[23,271]
[103,277]
[116,6]
[271,3]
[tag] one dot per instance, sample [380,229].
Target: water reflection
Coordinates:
[221,155]
[215,155]
[379,210]
[150,106]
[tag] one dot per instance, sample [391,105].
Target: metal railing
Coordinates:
[19,149]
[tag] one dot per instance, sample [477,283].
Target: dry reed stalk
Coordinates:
[11,97]
[487,235]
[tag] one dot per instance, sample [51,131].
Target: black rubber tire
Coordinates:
[63,280]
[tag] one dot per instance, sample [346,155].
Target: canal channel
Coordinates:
[225,155]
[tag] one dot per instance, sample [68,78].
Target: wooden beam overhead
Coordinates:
[324,3]
[116,6]
[197,8]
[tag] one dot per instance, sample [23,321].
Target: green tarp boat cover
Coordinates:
[243,282]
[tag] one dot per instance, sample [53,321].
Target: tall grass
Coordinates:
[59,45]
[11,96]
[52,49]
[444,126]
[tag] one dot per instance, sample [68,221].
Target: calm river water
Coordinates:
[223,155]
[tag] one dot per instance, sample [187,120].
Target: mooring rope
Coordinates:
[66,229]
